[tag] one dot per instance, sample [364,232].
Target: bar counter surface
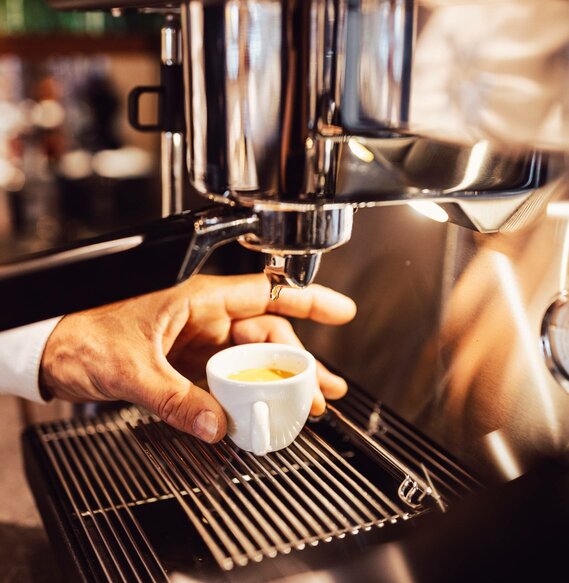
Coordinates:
[25,553]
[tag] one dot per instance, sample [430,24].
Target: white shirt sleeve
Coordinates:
[21,350]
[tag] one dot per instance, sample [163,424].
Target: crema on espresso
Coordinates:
[260,375]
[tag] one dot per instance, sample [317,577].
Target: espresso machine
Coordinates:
[296,115]
[297,118]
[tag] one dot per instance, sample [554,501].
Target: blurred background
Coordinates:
[70,165]
[70,168]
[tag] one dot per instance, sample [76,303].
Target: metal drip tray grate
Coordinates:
[247,507]
[144,499]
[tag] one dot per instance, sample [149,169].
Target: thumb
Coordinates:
[180,403]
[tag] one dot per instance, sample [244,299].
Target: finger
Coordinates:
[275,329]
[332,386]
[246,296]
[264,329]
[318,403]
[179,402]
[317,303]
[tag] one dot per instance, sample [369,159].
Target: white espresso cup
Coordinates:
[263,416]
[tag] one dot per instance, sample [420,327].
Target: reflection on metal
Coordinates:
[213,229]
[374,424]
[555,339]
[275,292]
[564,260]
[171,142]
[448,333]
[401,571]
[316,107]
[297,229]
[293,238]
[360,151]
[171,41]
[558,210]
[503,455]
[476,158]
[71,256]
[430,210]
[526,338]
[172,160]
[260,133]
[296,271]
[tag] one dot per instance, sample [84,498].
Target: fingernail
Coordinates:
[205,426]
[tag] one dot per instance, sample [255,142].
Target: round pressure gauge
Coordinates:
[555,339]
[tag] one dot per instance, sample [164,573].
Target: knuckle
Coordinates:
[173,408]
[168,406]
[283,328]
[285,324]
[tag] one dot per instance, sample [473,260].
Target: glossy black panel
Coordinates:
[95,272]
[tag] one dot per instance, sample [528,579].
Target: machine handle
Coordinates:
[134,108]
[116,266]
[170,116]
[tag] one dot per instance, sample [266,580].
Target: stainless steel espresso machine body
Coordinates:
[298,113]
[310,119]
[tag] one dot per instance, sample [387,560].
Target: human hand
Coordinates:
[145,349]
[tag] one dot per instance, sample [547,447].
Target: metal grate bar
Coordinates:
[302,511]
[226,455]
[378,493]
[243,507]
[350,494]
[86,459]
[131,416]
[202,458]
[254,504]
[384,437]
[133,463]
[362,415]
[69,453]
[109,536]
[128,461]
[413,489]
[164,464]
[414,441]
[312,494]
[247,507]
[195,474]
[133,527]
[55,457]
[93,431]
[349,502]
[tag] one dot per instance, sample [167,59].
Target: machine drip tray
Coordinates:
[136,500]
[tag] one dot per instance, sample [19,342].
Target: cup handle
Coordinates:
[260,429]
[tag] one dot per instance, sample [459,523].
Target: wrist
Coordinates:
[62,371]
[46,380]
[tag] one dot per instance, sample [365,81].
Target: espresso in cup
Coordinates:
[261,375]
[266,391]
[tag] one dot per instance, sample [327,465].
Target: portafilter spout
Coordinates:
[293,237]
[291,271]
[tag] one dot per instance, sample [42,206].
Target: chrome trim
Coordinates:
[62,258]
[548,344]
[172,143]
[212,229]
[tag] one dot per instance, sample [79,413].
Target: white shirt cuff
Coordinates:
[21,351]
